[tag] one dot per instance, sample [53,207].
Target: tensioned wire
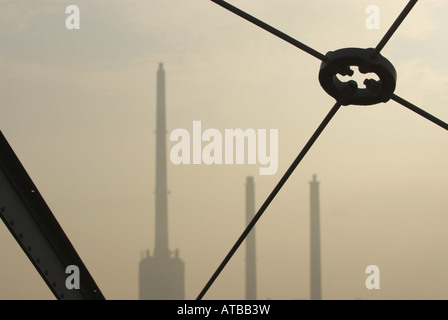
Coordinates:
[271,197]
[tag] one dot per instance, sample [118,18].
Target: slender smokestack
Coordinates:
[251,285]
[316,288]
[161,277]
[161,245]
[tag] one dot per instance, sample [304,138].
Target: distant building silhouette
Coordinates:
[161,276]
[316,286]
[251,282]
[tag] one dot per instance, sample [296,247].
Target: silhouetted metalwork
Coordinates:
[344,93]
[35,228]
[161,276]
[315,258]
[421,112]
[340,61]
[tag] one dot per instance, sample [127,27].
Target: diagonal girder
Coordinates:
[35,228]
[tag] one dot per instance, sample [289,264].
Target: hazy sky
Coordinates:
[78,108]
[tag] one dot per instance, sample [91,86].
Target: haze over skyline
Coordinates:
[78,108]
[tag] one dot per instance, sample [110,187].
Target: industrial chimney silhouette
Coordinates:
[251,285]
[315,278]
[161,277]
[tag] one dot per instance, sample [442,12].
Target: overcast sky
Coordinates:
[78,108]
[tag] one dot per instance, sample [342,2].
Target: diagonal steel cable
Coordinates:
[270,29]
[271,197]
[421,112]
[394,27]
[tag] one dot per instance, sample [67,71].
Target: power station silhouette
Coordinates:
[162,275]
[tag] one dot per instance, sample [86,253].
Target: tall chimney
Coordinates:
[251,285]
[161,244]
[161,277]
[316,287]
